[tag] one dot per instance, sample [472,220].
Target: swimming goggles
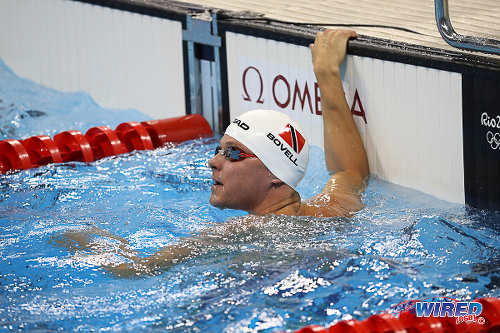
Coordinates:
[232,153]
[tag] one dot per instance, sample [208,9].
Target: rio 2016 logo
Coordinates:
[493,138]
[444,307]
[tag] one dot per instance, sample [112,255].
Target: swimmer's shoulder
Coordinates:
[319,206]
[341,197]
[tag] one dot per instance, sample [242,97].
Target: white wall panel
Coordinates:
[272,59]
[413,134]
[122,59]
[414,130]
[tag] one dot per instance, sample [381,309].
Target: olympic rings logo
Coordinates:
[493,139]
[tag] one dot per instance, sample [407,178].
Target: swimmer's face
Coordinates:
[238,184]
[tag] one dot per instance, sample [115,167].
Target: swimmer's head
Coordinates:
[276,140]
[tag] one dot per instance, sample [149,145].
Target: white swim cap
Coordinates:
[276,140]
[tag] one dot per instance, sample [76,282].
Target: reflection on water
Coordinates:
[274,273]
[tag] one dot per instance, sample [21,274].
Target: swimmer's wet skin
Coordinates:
[261,177]
[265,185]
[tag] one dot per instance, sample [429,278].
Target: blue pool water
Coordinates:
[280,274]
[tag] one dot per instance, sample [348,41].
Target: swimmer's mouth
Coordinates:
[217,182]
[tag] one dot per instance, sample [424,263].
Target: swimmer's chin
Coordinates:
[214,202]
[221,204]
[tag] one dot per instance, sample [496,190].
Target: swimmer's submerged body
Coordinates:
[249,175]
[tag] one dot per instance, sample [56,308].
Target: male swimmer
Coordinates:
[263,156]
[256,170]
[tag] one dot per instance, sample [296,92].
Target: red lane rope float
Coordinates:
[104,142]
[491,310]
[384,322]
[409,323]
[42,150]
[134,136]
[348,326]
[73,146]
[13,156]
[423,324]
[177,129]
[99,142]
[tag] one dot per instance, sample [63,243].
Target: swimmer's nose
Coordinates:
[212,162]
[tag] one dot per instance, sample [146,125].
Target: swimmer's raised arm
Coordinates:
[344,151]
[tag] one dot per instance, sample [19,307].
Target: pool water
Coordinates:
[279,274]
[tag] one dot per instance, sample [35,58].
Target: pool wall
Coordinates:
[429,117]
[122,59]
[392,104]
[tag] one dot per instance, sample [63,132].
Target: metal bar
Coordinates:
[205,92]
[200,31]
[457,40]
[193,82]
[217,116]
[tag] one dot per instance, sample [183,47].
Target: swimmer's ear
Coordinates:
[277,182]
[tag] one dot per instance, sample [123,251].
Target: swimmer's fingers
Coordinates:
[101,232]
[138,267]
[83,236]
[127,252]
[337,41]
[73,240]
[126,270]
[329,50]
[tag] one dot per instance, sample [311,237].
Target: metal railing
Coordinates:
[455,39]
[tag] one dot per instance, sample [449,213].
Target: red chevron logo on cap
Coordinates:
[293,138]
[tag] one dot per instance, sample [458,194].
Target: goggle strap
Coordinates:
[247,155]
